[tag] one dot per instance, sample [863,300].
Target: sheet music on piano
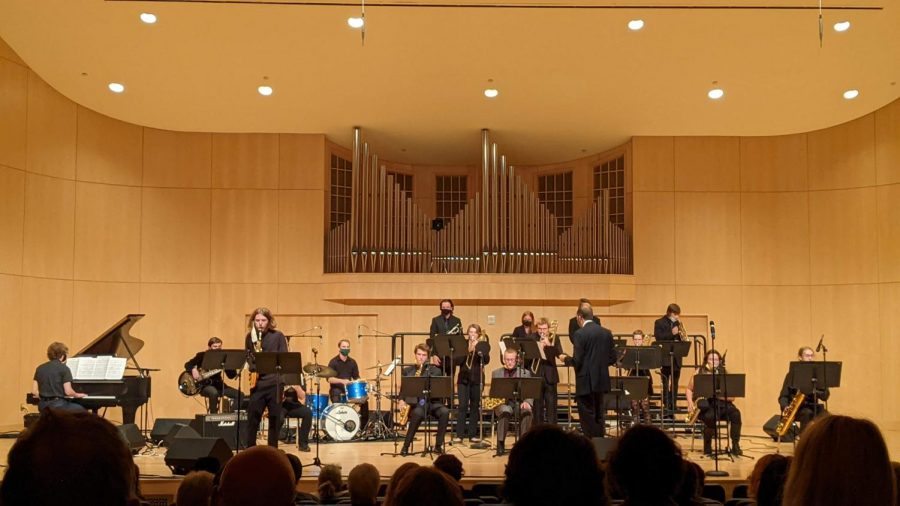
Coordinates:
[102,367]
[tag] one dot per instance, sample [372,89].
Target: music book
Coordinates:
[104,367]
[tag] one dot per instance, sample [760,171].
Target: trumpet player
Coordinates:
[669,328]
[546,406]
[417,407]
[810,408]
[469,382]
[712,409]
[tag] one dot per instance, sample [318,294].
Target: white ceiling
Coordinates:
[571,80]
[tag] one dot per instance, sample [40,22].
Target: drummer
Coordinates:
[347,370]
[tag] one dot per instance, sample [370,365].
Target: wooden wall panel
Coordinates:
[13,107]
[49,227]
[653,163]
[300,238]
[306,298]
[707,238]
[244,236]
[707,164]
[51,130]
[52,303]
[109,150]
[889,299]
[12,219]
[654,237]
[13,387]
[301,160]
[177,159]
[175,235]
[775,238]
[774,163]
[848,316]
[887,148]
[647,299]
[843,156]
[98,305]
[888,233]
[245,161]
[843,236]
[107,232]
[7,52]
[229,303]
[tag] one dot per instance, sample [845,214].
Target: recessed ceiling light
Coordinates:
[842,26]
[116,87]
[356,22]
[851,94]
[635,24]
[148,17]
[265,90]
[716,93]
[491,93]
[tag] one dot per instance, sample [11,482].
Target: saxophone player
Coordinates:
[711,409]
[505,411]
[809,409]
[417,407]
[469,382]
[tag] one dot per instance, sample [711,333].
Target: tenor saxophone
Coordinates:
[789,413]
[403,413]
[691,418]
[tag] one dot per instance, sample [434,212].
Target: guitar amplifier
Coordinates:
[223,425]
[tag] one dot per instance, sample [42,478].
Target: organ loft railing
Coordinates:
[504,228]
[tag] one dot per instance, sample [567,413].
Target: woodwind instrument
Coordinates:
[691,418]
[403,413]
[789,413]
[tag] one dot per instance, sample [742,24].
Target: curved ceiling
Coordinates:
[572,77]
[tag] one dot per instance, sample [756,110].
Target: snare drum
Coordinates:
[317,404]
[358,392]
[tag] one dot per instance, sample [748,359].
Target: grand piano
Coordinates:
[130,392]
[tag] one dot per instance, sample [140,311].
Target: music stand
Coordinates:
[528,349]
[428,388]
[456,347]
[625,388]
[517,390]
[278,363]
[727,386]
[814,377]
[672,350]
[229,360]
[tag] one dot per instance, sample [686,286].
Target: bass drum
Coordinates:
[341,422]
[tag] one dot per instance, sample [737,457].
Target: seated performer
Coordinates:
[711,409]
[295,407]
[547,405]
[640,410]
[213,387]
[417,406]
[810,409]
[52,385]
[347,371]
[469,382]
[506,410]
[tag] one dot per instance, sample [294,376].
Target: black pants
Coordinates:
[61,404]
[724,410]
[214,394]
[263,397]
[545,407]
[807,413]
[469,409]
[591,411]
[297,410]
[417,414]
[670,395]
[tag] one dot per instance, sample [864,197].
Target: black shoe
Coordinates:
[736,451]
[404,451]
[501,449]
[439,449]
[305,448]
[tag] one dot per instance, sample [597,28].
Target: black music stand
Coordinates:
[528,349]
[278,363]
[428,388]
[229,360]
[727,386]
[626,388]
[640,358]
[811,378]
[517,390]
[456,347]
[672,350]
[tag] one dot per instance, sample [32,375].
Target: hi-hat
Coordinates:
[321,371]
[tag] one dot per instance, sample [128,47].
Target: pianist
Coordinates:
[212,387]
[52,383]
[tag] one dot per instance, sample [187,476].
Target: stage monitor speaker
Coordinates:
[162,426]
[604,445]
[179,431]
[189,453]
[772,424]
[132,436]
[222,425]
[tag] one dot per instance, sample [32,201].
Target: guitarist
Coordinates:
[213,387]
[263,337]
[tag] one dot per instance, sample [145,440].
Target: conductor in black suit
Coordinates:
[573,323]
[593,355]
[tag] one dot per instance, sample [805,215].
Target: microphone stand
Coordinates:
[482,444]
[824,378]
[715,408]
[316,462]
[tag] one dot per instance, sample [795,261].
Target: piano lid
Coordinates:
[116,341]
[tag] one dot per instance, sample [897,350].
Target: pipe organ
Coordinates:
[504,228]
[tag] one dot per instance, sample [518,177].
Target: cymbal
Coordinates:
[379,365]
[321,371]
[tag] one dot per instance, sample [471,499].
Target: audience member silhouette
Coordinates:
[451,465]
[401,471]
[260,475]
[767,479]
[195,489]
[362,483]
[426,485]
[645,467]
[331,485]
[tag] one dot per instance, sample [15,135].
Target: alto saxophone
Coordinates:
[789,413]
[691,418]
[682,334]
[403,413]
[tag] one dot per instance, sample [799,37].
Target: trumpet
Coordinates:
[470,358]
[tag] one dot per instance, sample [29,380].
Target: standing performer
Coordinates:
[709,407]
[417,406]
[469,382]
[641,409]
[526,329]
[809,409]
[347,371]
[594,353]
[506,410]
[446,322]
[52,383]
[546,406]
[264,394]
[668,328]
[213,387]
[573,323]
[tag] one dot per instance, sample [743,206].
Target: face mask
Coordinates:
[673,318]
[526,323]
[446,312]
[345,352]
